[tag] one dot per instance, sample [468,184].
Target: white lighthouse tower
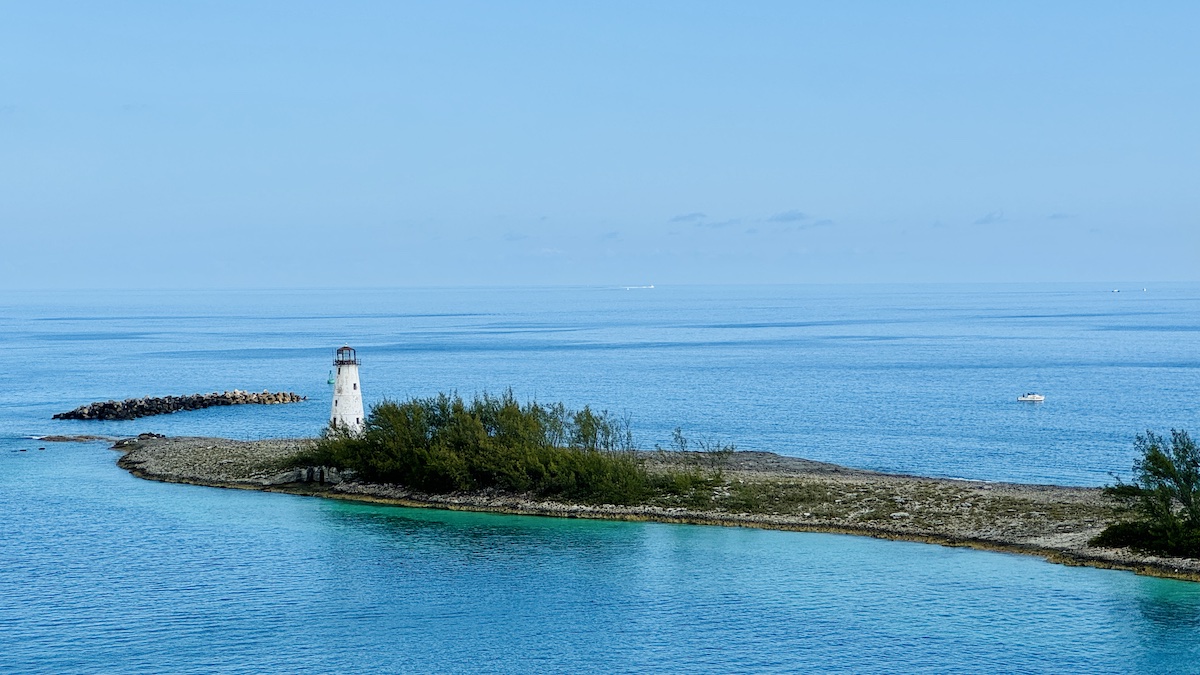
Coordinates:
[347,410]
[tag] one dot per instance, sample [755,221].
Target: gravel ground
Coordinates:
[758,489]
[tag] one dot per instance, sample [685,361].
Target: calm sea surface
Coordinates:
[102,572]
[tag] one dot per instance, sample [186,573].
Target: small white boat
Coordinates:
[1036,398]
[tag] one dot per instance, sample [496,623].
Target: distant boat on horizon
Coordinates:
[631,288]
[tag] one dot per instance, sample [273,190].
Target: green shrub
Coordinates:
[1164,498]
[444,444]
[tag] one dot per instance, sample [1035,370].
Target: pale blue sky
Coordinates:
[210,144]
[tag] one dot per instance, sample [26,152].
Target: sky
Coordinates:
[320,144]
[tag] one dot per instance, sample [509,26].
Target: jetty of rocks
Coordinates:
[132,408]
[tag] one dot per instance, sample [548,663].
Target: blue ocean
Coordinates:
[103,572]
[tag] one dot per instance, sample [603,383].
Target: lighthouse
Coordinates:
[347,410]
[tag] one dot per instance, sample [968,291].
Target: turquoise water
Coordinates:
[106,573]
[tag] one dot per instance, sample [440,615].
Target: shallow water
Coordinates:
[104,572]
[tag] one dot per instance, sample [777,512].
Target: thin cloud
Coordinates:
[792,216]
[688,217]
[799,227]
[719,224]
[991,218]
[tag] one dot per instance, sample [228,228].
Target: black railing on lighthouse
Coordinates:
[346,356]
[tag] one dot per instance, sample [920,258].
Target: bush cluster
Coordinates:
[1164,498]
[445,444]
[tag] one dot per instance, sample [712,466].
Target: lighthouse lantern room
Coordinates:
[347,410]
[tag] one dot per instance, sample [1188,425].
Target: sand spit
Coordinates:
[1051,521]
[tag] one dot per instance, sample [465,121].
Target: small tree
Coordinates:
[1164,496]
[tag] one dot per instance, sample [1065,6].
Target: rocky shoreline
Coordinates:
[133,408]
[1053,522]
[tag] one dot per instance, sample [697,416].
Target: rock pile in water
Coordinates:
[132,408]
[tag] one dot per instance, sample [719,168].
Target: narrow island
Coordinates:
[497,455]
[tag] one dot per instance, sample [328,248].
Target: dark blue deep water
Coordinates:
[103,572]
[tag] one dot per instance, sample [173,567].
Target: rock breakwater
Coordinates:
[133,408]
